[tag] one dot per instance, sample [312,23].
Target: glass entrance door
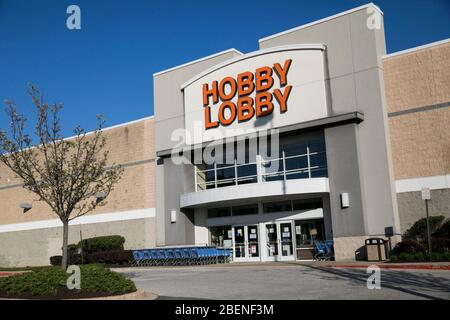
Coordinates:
[253,242]
[272,241]
[279,239]
[285,241]
[239,243]
[246,243]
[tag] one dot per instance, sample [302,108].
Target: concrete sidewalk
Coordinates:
[293,264]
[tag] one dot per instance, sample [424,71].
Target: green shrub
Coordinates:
[73,258]
[408,246]
[96,278]
[105,243]
[419,256]
[436,256]
[113,257]
[443,231]
[419,229]
[72,248]
[48,281]
[439,244]
[406,256]
[446,256]
[393,257]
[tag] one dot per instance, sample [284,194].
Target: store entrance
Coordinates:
[246,243]
[279,241]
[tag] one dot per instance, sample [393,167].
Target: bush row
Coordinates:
[420,256]
[103,243]
[113,257]
[414,246]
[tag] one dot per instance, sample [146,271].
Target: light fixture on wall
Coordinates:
[26,206]
[173,216]
[345,201]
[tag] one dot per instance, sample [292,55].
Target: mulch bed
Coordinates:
[62,293]
[12,273]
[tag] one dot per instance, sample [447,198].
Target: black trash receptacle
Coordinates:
[376,249]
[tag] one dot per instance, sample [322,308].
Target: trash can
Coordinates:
[376,249]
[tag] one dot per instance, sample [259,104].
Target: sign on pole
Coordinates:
[426,194]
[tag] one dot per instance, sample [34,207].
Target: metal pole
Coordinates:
[428,230]
[81,246]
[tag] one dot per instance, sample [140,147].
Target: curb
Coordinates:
[139,294]
[407,267]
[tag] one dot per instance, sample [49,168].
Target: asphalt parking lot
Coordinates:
[287,281]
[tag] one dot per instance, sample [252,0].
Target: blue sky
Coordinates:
[107,67]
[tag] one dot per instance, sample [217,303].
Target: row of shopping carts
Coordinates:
[323,250]
[181,256]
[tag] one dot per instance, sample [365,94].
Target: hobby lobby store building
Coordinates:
[317,135]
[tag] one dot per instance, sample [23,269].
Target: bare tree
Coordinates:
[70,175]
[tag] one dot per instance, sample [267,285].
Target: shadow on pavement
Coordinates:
[395,280]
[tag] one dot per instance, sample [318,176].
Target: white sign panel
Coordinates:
[426,194]
[257,91]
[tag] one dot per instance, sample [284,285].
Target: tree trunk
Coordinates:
[65,243]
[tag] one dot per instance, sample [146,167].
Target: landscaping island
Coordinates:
[50,283]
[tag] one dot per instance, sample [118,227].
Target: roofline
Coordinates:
[315,46]
[115,126]
[102,130]
[198,60]
[428,45]
[321,21]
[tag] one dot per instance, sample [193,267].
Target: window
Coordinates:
[246,209]
[307,204]
[273,169]
[277,207]
[306,232]
[293,161]
[318,159]
[295,149]
[221,236]
[225,175]
[246,173]
[219,212]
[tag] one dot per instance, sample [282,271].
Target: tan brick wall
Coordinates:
[35,247]
[421,143]
[420,140]
[417,78]
[127,144]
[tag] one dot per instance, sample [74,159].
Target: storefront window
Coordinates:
[246,173]
[246,209]
[307,204]
[306,232]
[293,161]
[273,207]
[225,175]
[219,212]
[221,236]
